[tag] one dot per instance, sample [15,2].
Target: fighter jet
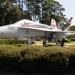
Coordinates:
[27,29]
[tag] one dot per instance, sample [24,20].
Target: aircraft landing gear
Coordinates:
[45,43]
[61,43]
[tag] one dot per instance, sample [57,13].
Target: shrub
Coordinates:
[66,40]
[19,55]
[72,39]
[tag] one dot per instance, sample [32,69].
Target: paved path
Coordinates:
[69,44]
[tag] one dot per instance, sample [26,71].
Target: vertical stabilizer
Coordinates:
[53,23]
[68,24]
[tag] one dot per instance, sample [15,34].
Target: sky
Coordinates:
[69,8]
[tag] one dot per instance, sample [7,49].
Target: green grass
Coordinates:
[12,41]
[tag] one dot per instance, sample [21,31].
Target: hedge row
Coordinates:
[25,57]
[53,53]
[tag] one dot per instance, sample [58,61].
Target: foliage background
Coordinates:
[44,10]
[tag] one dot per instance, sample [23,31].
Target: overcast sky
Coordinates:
[69,8]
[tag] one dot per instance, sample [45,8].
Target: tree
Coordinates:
[33,8]
[10,13]
[51,9]
[1,1]
[45,10]
[13,15]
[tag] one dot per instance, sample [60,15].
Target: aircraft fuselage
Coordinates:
[11,31]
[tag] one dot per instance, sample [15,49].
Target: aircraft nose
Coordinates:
[2,30]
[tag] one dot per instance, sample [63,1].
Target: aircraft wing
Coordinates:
[70,32]
[41,29]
